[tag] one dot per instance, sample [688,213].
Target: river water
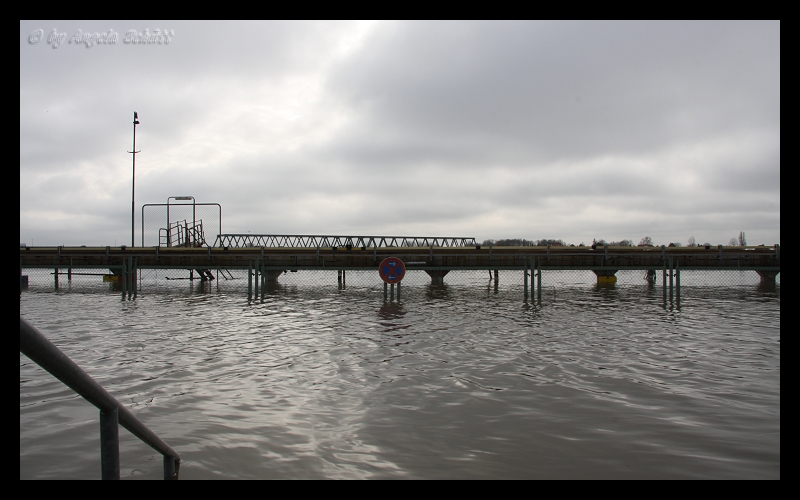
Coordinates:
[462,380]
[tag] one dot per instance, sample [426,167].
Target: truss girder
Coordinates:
[322,241]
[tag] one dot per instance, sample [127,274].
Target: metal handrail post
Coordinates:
[34,345]
[109,444]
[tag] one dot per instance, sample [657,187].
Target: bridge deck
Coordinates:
[427,258]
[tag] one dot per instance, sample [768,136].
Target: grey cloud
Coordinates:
[532,129]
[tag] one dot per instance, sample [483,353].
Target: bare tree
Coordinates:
[742,240]
[692,242]
[646,241]
[732,242]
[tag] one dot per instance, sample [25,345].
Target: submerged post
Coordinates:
[677,280]
[249,279]
[134,283]
[539,281]
[263,279]
[123,278]
[671,277]
[525,272]
[255,278]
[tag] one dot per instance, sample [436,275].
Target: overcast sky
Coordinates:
[563,130]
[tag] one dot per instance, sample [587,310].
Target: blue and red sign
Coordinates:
[392,270]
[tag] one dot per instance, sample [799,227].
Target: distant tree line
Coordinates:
[646,241]
[622,243]
[517,242]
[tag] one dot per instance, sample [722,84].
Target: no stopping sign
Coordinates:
[392,270]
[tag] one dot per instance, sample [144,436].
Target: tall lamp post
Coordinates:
[133,183]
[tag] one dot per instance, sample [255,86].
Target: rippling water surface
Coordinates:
[453,381]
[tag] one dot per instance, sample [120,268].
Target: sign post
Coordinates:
[392,270]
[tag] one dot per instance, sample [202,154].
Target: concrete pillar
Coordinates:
[606,276]
[437,277]
[272,276]
[768,276]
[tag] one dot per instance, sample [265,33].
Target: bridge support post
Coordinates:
[124,278]
[249,279]
[671,279]
[533,276]
[525,286]
[768,276]
[263,282]
[606,276]
[539,281]
[437,277]
[256,269]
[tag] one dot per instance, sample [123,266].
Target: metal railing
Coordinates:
[34,345]
[150,225]
[321,241]
[182,234]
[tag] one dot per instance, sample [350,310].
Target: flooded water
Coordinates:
[460,380]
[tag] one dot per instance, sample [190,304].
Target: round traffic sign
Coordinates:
[392,270]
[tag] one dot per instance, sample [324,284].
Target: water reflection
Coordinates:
[389,313]
[434,291]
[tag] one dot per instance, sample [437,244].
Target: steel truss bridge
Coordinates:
[349,242]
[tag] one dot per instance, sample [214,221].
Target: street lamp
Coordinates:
[133,183]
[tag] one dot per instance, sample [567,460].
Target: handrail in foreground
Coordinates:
[34,345]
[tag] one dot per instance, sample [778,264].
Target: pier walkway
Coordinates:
[267,263]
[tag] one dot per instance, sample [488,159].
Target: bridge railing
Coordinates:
[182,234]
[34,345]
